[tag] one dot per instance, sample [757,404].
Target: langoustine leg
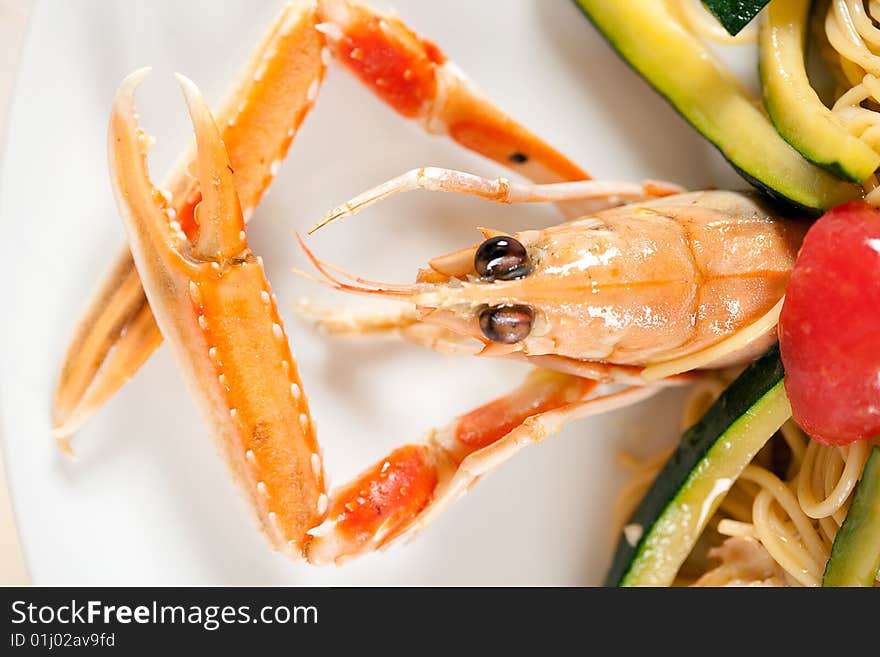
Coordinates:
[415,78]
[501,190]
[215,307]
[257,121]
[211,299]
[398,496]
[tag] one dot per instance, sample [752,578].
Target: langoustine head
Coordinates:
[629,285]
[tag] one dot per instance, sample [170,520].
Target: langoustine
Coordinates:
[600,297]
[214,305]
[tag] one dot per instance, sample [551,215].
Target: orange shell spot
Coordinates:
[393,62]
[386,497]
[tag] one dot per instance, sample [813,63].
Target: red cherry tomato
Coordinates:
[829,330]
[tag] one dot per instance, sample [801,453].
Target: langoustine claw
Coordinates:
[258,120]
[215,307]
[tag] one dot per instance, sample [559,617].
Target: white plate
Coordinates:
[148,501]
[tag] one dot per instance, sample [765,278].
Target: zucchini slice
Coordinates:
[855,555]
[680,67]
[695,479]
[794,107]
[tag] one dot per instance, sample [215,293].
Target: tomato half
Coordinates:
[829,330]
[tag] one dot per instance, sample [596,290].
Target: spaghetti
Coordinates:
[854,38]
[793,514]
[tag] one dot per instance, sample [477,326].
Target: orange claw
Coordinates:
[413,76]
[382,501]
[383,53]
[215,307]
[257,121]
[395,496]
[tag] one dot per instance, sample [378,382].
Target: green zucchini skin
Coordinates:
[855,555]
[681,69]
[689,459]
[792,103]
[734,15]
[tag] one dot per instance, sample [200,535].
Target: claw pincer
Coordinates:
[214,305]
[258,119]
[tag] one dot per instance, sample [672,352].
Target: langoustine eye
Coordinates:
[507,323]
[502,258]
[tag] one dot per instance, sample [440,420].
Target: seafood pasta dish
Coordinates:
[762,301]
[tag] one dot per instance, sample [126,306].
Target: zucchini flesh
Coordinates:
[692,483]
[855,555]
[680,67]
[794,107]
[734,15]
